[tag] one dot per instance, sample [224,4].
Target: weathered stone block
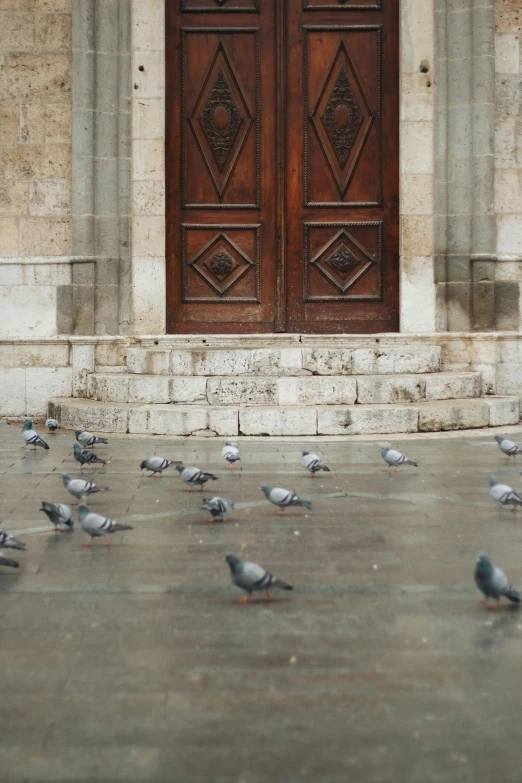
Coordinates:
[9,124]
[97,416]
[13,198]
[503,410]
[111,388]
[41,383]
[384,361]
[49,236]
[188,390]
[40,355]
[149,389]
[50,197]
[242,391]
[447,386]
[53,32]
[278,421]
[508,378]
[83,366]
[8,237]
[39,76]
[442,415]
[362,420]
[316,391]
[382,389]
[213,362]
[175,420]
[12,392]
[110,354]
[143,361]
[324,361]
[149,198]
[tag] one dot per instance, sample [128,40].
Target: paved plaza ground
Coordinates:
[137,663]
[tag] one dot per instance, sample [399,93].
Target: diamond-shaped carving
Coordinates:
[221,263]
[343,261]
[342,118]
[221,119]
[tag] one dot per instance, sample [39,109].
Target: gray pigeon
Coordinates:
[86,457]
[52,425]
[58,513]
[87,439]
[503,495]
[508,447]
[5,561]
[156,465]
[31,437]
[394,458]
[194,477]
[492,581]
[251,577]
[231,454]
[80,488]
[283,497]
[95,525]
[218,508]
[312,463]
[10,542]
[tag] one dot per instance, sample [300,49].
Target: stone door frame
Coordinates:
[446,151]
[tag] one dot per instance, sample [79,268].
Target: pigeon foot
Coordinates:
[245,600]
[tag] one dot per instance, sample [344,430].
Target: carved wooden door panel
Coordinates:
[342,166]
[282,165]
[220,150]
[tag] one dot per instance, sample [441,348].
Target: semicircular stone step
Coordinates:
[272,390]
[222,421]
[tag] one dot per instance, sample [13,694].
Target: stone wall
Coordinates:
[35,162]
[508,158]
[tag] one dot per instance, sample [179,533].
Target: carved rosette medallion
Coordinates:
[221,120]
[342,261]
[342,117]
[221,264]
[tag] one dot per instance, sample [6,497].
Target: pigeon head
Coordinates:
[28,424]
[228,443]
[483,563]
[498,438]
[143,464]
[305,453]
[76,448]
[180,468]
[65,478]
[234,562]
[385,450]
[492,481]
[77,432]
[83,510]
[266,489]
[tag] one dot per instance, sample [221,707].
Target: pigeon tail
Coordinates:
[117,527]
[300,502]
[513,595]
[99,489]
[411,462]
[282,585]
[7,562]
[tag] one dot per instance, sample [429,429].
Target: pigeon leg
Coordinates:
[211,520]
[229,466]
[494,607]
[245,599]
[201,487]
[75,503]
[87,543]
[109,541]
[80,467]
[268,595]
[312,475]
[483,602]
[397,470]
[385,470]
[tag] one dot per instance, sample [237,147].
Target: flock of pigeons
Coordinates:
[250,577]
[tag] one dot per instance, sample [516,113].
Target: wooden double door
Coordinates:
[282,166]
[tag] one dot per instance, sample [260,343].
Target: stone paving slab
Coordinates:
[137,663]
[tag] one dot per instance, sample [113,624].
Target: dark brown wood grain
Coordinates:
[282,166]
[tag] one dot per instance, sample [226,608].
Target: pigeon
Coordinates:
[508,447]
[52,425]
[31,437]
[5,561]
[10,542]
[252,577]
[59,514]
[80,488]
[86,457]
[503,495]
[492,581]
[95,525]
[283,497]
[394,458]
[87,439]
[156,465]
[218,508]
[231,454]
[312,463]
[194,477]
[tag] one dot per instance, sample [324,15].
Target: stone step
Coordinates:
[288,361]
[271,390]
[212,420]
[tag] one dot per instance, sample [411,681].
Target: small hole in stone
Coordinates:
[428,84]
[141,68]
[136,86]
[156,342]
[425,66]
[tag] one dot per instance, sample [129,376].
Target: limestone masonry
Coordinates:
[82,238]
